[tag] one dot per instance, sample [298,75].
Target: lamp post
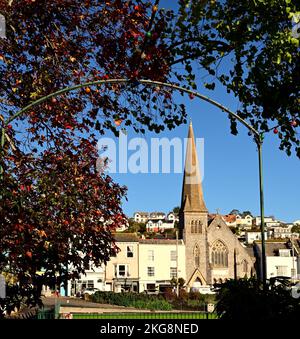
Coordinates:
[258,137]
[259,142]
[177,275]
[293,258]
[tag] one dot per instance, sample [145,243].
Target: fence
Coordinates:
[147,315]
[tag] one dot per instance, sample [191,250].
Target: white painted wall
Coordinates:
[161,262]
[273,264]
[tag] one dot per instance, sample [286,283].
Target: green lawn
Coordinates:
[145,316]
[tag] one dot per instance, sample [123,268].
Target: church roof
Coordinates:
[192,195]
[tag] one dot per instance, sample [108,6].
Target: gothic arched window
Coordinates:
[245,266]
[197,256]
[192,227]
[199,227]
[219,254]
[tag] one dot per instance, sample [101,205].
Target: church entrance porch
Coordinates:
[196,285]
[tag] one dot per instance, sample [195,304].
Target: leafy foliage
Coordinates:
[135,227]
[57,214]
[245,299]
[167,301]
[250,49]
[129,299]
[296,229]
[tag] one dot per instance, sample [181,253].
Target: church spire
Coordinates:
[192,195]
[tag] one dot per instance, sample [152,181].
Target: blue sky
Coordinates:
[230,167]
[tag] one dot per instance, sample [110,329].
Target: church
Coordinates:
[212,252]
[206,251]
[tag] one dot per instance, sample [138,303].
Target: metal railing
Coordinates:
[130,316]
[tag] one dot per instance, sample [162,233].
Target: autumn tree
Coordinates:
[56,211]
[57,214]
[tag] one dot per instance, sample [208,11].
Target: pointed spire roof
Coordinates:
[192,195]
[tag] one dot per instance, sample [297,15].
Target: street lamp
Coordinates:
[177,270]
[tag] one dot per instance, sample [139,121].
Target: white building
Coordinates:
[281,232]
[145,216]
[173,216]
[158,225]
[157,215]
[282,259]
[244,222]
[269,221]
[94,277]
[141,216]
[159,264]
[252,236]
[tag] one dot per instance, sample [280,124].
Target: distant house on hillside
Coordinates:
[173,216]
[141,216]
[230,220]
[158,225]
[157,215]
[244,221]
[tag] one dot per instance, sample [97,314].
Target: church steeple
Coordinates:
[192,195]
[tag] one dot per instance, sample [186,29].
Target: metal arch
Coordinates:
[142,81]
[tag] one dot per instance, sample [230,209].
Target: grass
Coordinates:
[145,316]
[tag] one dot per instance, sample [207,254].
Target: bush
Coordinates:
[183,294]
[192,300]
[129,299]
[167,301]
[169,294]
[245,299]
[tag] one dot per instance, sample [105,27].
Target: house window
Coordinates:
[150,287]
[150,255]
[122,271]
[173,272]
[219,254]
[173,256]
[197,256]
[150,271]
[129,251]
[90,284]
[86,284]
[282,271]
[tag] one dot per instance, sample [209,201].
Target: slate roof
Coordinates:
[126,237]
[192,195]
[160,241]
[272,248]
